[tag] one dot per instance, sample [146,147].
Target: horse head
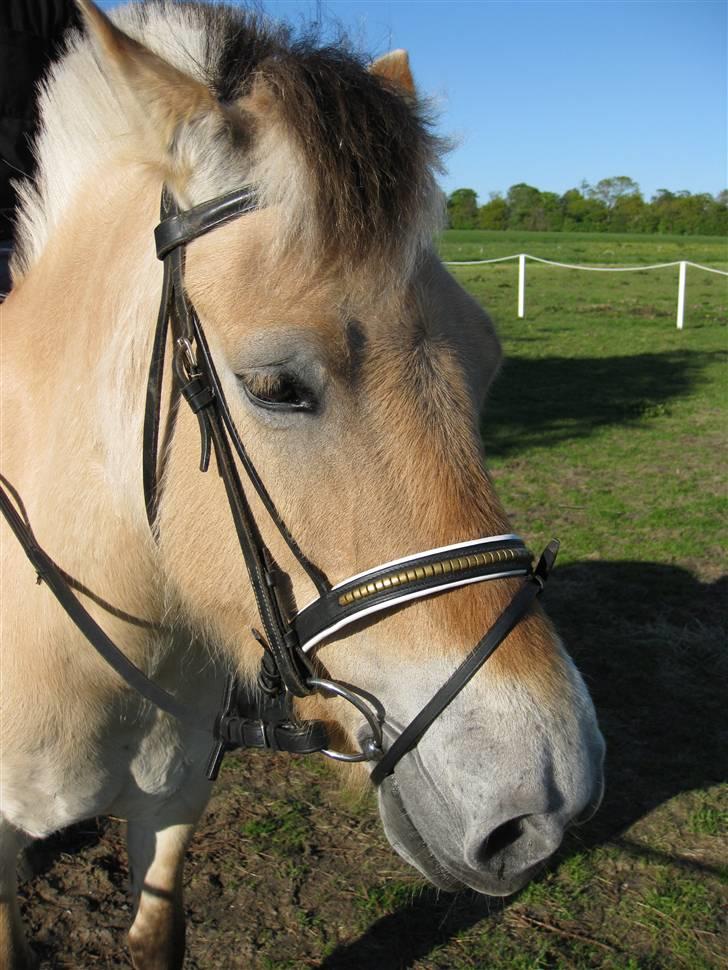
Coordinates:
[355,369]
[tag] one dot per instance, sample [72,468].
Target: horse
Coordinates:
[354,369]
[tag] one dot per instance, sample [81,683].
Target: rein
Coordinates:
[287,669]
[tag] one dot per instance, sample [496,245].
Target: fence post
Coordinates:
[521,286]
[681,294]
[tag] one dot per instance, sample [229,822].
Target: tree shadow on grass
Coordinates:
[541,402]
[650,642]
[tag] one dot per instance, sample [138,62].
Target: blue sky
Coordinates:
[552,92]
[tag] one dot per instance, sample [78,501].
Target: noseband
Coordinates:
[288,641]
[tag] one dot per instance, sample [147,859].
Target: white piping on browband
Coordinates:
[418,555]
[421,555]
[406,597]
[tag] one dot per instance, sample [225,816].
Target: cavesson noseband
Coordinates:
[287,669]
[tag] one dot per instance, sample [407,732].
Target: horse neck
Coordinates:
[81,325]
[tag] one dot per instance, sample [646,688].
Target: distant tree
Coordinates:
[524,205]
[666,208]
[695,212]
[462,209]
[717,223]
[582,214]
[612,205]
[494,214]
[553,213]
[663,210]
[701,213]
[627,213]
[610,190]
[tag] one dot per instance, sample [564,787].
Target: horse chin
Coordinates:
[406,840]
[447,875]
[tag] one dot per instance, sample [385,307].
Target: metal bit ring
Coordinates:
[367,705]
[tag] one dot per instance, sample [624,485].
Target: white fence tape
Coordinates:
[522,257]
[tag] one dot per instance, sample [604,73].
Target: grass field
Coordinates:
[575,247]
[606,428]
[600,385]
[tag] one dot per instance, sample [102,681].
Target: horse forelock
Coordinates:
[345,156]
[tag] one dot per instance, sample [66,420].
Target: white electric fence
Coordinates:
[522,257]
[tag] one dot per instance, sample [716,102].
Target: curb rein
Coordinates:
[286,670]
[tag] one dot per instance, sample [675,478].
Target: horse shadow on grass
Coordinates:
[648,639]
[544,401]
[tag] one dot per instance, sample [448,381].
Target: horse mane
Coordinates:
[359,160]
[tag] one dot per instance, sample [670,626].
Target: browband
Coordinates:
[182,227]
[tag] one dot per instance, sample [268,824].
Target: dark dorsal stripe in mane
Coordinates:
[369,149]
[349,156]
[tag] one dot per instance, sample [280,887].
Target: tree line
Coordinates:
[612,205]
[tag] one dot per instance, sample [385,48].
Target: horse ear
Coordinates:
[395,68]
[168,96]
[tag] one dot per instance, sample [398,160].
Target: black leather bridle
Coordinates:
[287,669]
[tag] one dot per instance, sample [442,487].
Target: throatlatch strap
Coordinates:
[271,728]
[518,606]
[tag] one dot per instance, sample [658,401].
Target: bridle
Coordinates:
[287,669]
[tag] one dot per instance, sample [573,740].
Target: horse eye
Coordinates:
[280,392]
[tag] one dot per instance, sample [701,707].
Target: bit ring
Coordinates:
[367,705]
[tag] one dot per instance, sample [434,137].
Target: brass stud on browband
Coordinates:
[455,564]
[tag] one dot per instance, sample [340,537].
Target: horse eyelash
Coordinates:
[262,387]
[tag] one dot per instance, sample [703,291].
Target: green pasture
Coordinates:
[599,248]
[622,414]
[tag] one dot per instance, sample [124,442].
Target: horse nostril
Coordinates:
[510,854]
[501,838]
